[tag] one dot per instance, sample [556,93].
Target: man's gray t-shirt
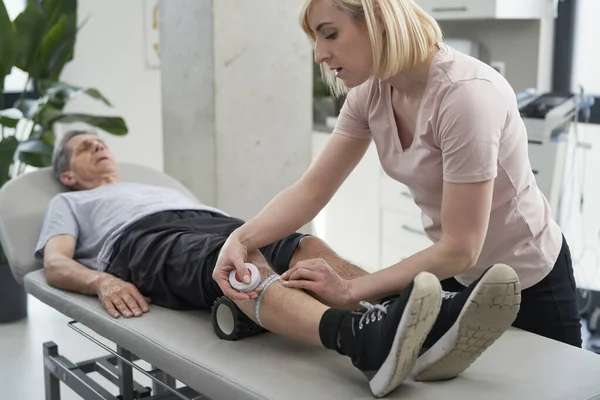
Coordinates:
[96,217]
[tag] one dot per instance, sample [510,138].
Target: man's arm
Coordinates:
[65,273]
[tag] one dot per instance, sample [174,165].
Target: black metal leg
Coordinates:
[75,375]
[163,377]
[51,382]
[170,381]
[126,382]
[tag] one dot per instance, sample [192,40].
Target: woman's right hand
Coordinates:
[232,256]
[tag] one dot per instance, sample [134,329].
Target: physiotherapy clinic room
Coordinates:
[225,98]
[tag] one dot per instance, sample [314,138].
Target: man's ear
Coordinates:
[68,179]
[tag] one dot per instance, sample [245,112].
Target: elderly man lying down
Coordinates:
[131,244]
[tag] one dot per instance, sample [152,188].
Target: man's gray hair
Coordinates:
[61,159]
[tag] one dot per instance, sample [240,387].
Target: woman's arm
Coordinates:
[300,203]
[295,206]
[465,215]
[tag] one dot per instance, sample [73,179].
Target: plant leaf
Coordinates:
[29,26]
[8,48]
[10,117]
[57,46]
[59,93]
[28,107]
[46,116]
[8,146]
[8,44]
[46,33]
[114,125]
[36,153]
[48,136]
[95,94]
[54,9]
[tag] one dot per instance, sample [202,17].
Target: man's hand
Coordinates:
[121,298]
[318,277]
[117,296]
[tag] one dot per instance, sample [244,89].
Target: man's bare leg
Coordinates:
[444,357]
[382,342]
[279,301]
[311,247]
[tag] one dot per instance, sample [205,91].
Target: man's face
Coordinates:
[91,164]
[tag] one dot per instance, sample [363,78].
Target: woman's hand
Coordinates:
[319,278]
[232,256]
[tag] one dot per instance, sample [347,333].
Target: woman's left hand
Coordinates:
[318,277]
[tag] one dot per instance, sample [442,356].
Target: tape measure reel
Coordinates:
[230,323]
[236,282]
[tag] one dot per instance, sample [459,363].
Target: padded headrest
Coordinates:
[23,205]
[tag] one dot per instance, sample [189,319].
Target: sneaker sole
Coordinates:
[419,316]
[490,310]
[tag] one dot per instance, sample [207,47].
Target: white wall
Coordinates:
[586,61]
[237,99]
[109,55]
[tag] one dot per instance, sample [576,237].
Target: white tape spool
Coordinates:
[236,282]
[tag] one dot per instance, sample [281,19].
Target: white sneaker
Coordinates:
[468,323]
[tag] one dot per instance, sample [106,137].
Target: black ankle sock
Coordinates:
[329,327]
[389,298]
[335,331]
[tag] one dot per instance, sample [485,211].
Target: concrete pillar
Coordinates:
[237,99]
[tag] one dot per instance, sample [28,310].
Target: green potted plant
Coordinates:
[40,41]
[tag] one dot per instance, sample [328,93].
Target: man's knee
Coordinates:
[310,242]
[311,247]
[258,259]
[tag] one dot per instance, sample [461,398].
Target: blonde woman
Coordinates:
[447,126]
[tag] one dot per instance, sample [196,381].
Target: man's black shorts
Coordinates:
[170,256]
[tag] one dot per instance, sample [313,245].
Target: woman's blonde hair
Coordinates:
[400,31]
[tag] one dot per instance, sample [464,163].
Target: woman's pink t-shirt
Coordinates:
[468,130]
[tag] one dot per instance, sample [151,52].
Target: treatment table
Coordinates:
[182,345]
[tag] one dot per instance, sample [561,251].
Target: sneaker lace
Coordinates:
[448,295]
[374,313]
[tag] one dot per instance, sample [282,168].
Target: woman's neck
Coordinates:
[412,82]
